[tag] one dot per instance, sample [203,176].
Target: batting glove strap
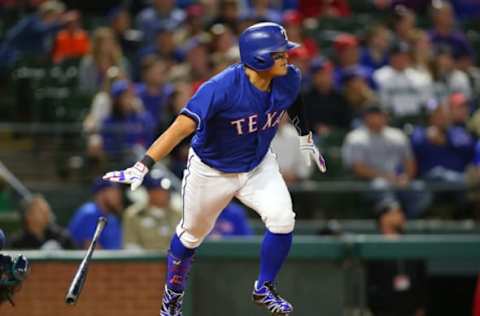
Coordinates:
[310,152]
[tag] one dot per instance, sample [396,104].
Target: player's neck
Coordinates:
[261,80]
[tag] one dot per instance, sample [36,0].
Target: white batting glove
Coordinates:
[310,151]
[133,175]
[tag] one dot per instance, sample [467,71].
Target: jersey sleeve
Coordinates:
[295,78]
[204,103]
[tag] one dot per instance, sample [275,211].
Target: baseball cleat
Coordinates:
[267,296]
[171,303]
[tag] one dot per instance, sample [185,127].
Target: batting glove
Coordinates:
[310,151]
[133,175]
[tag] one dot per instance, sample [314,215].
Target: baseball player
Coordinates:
[234,116]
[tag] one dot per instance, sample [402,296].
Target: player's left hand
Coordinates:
[310,151]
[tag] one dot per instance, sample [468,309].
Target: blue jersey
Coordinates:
[236,121]
[82,227]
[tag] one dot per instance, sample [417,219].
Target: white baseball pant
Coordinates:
[207,191]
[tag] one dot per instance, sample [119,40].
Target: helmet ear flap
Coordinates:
[263,61]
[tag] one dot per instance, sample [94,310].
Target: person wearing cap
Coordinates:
[128,127]
[382,156]
[395,287]
[357,93]
[325,106]
[150,225]
[39,228]
[107,201]
[403,90]
[347,54]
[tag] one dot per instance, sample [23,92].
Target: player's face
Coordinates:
[280,64]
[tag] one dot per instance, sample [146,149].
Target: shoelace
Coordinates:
[173,305]
[272,289]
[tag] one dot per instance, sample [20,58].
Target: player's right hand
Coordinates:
[133,175]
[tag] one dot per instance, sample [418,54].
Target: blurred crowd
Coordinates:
[399,96]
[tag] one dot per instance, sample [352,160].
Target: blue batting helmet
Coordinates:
[259,41]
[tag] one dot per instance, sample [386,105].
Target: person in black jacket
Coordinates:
[39,230]
[395,287]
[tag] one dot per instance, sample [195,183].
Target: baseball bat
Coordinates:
[80,276]
[15,183]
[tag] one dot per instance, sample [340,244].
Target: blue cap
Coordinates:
[99,184]
[351,73]
[319,63]
[119,87]
[155,180]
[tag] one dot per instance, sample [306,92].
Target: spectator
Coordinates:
[403,90]
[39,229]
[231,222]
[382,156]
[404,21]
[72,42]
[396,287]
[292,164]
[375,54]
[121,24]
[151,225]
[228,14]
[105,54]
[197,66]
[356,93]
[347,54]
[162,46]
[162,13]
[223,42]
[32,35]
[128,130]
[194,23]
[444,33]
[318,8]
[107,201]
[154,91]
[446,78]
[261,10]
[422,52]
[467,9]
[326,108]
[292,21]
[99,110]
[466,63]
[444,148]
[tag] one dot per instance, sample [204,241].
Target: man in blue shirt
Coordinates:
[234,116]
[107,201]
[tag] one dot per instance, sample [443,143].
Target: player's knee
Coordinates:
[281,223]
[190,240]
